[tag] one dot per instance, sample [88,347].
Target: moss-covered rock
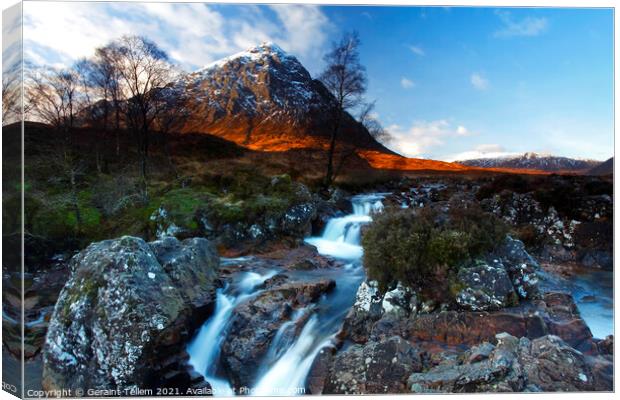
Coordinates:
[125,302]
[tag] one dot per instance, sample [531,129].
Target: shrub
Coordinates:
[424,249]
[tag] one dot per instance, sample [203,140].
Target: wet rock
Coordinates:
[366,310]
[597,259]
[297,220]
[563,319]
[552,365]
[184,263]
[486,287]
[303,257]
[255,322]
[319,372]
[521,268]
[376,367]
[121,311]
[469,328]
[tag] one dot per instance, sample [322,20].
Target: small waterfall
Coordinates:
[342,235]
[341,239]
[289,358]
[287,376]
[204,349]
[284,337]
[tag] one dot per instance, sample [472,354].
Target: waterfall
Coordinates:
[204,349]
[289,360]
[341,239]
[287,376]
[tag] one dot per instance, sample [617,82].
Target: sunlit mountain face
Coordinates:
[265,99]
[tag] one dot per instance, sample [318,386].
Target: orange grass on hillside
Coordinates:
[380,160]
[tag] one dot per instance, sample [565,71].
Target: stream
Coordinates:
[287,363]
[289,359]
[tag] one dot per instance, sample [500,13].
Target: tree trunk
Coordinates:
[117,128]
[75,204]
[169,155]
[144,159]
[329,174]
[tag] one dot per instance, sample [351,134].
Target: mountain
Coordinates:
[605,168]
[264,99]
[534,161]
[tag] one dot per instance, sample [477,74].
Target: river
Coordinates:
[289,359]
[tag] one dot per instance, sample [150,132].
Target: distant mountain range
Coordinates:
[534,161]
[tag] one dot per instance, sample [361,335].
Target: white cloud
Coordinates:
[478,81]
[528,26]
[407,83]
[461,131]
[422,136]
[417,50]
[481,151]
[193,34]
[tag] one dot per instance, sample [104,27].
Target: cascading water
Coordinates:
[204,357]
[340,239]
[289,359]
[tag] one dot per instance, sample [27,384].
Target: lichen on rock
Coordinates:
[124,302]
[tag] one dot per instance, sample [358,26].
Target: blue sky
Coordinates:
[449,83]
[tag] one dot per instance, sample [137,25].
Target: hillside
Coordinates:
[533,161]
[605,168]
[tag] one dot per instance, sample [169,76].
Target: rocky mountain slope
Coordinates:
[265,99]
[605,168]
[534,161]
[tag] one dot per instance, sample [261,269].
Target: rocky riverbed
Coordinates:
[525,318]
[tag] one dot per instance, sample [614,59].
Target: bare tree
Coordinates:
[173,112]
[11,94]
[106,77]
[55,98]
[143,68]
[345,78]
[371,123]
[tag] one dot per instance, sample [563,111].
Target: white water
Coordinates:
[204,349]
[288,360]
[340,239]
[287,376]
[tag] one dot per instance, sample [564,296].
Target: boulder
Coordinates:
[184,263]
[520,266]
[486,286]
[296,221]
[543,364]
[400,301]
[123,309]
[254,325]
[365,311]
[373,368]
[319,371]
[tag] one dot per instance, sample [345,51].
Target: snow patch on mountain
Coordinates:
[534,161]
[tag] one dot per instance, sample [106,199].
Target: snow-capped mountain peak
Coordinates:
[264,98]
[252,54]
